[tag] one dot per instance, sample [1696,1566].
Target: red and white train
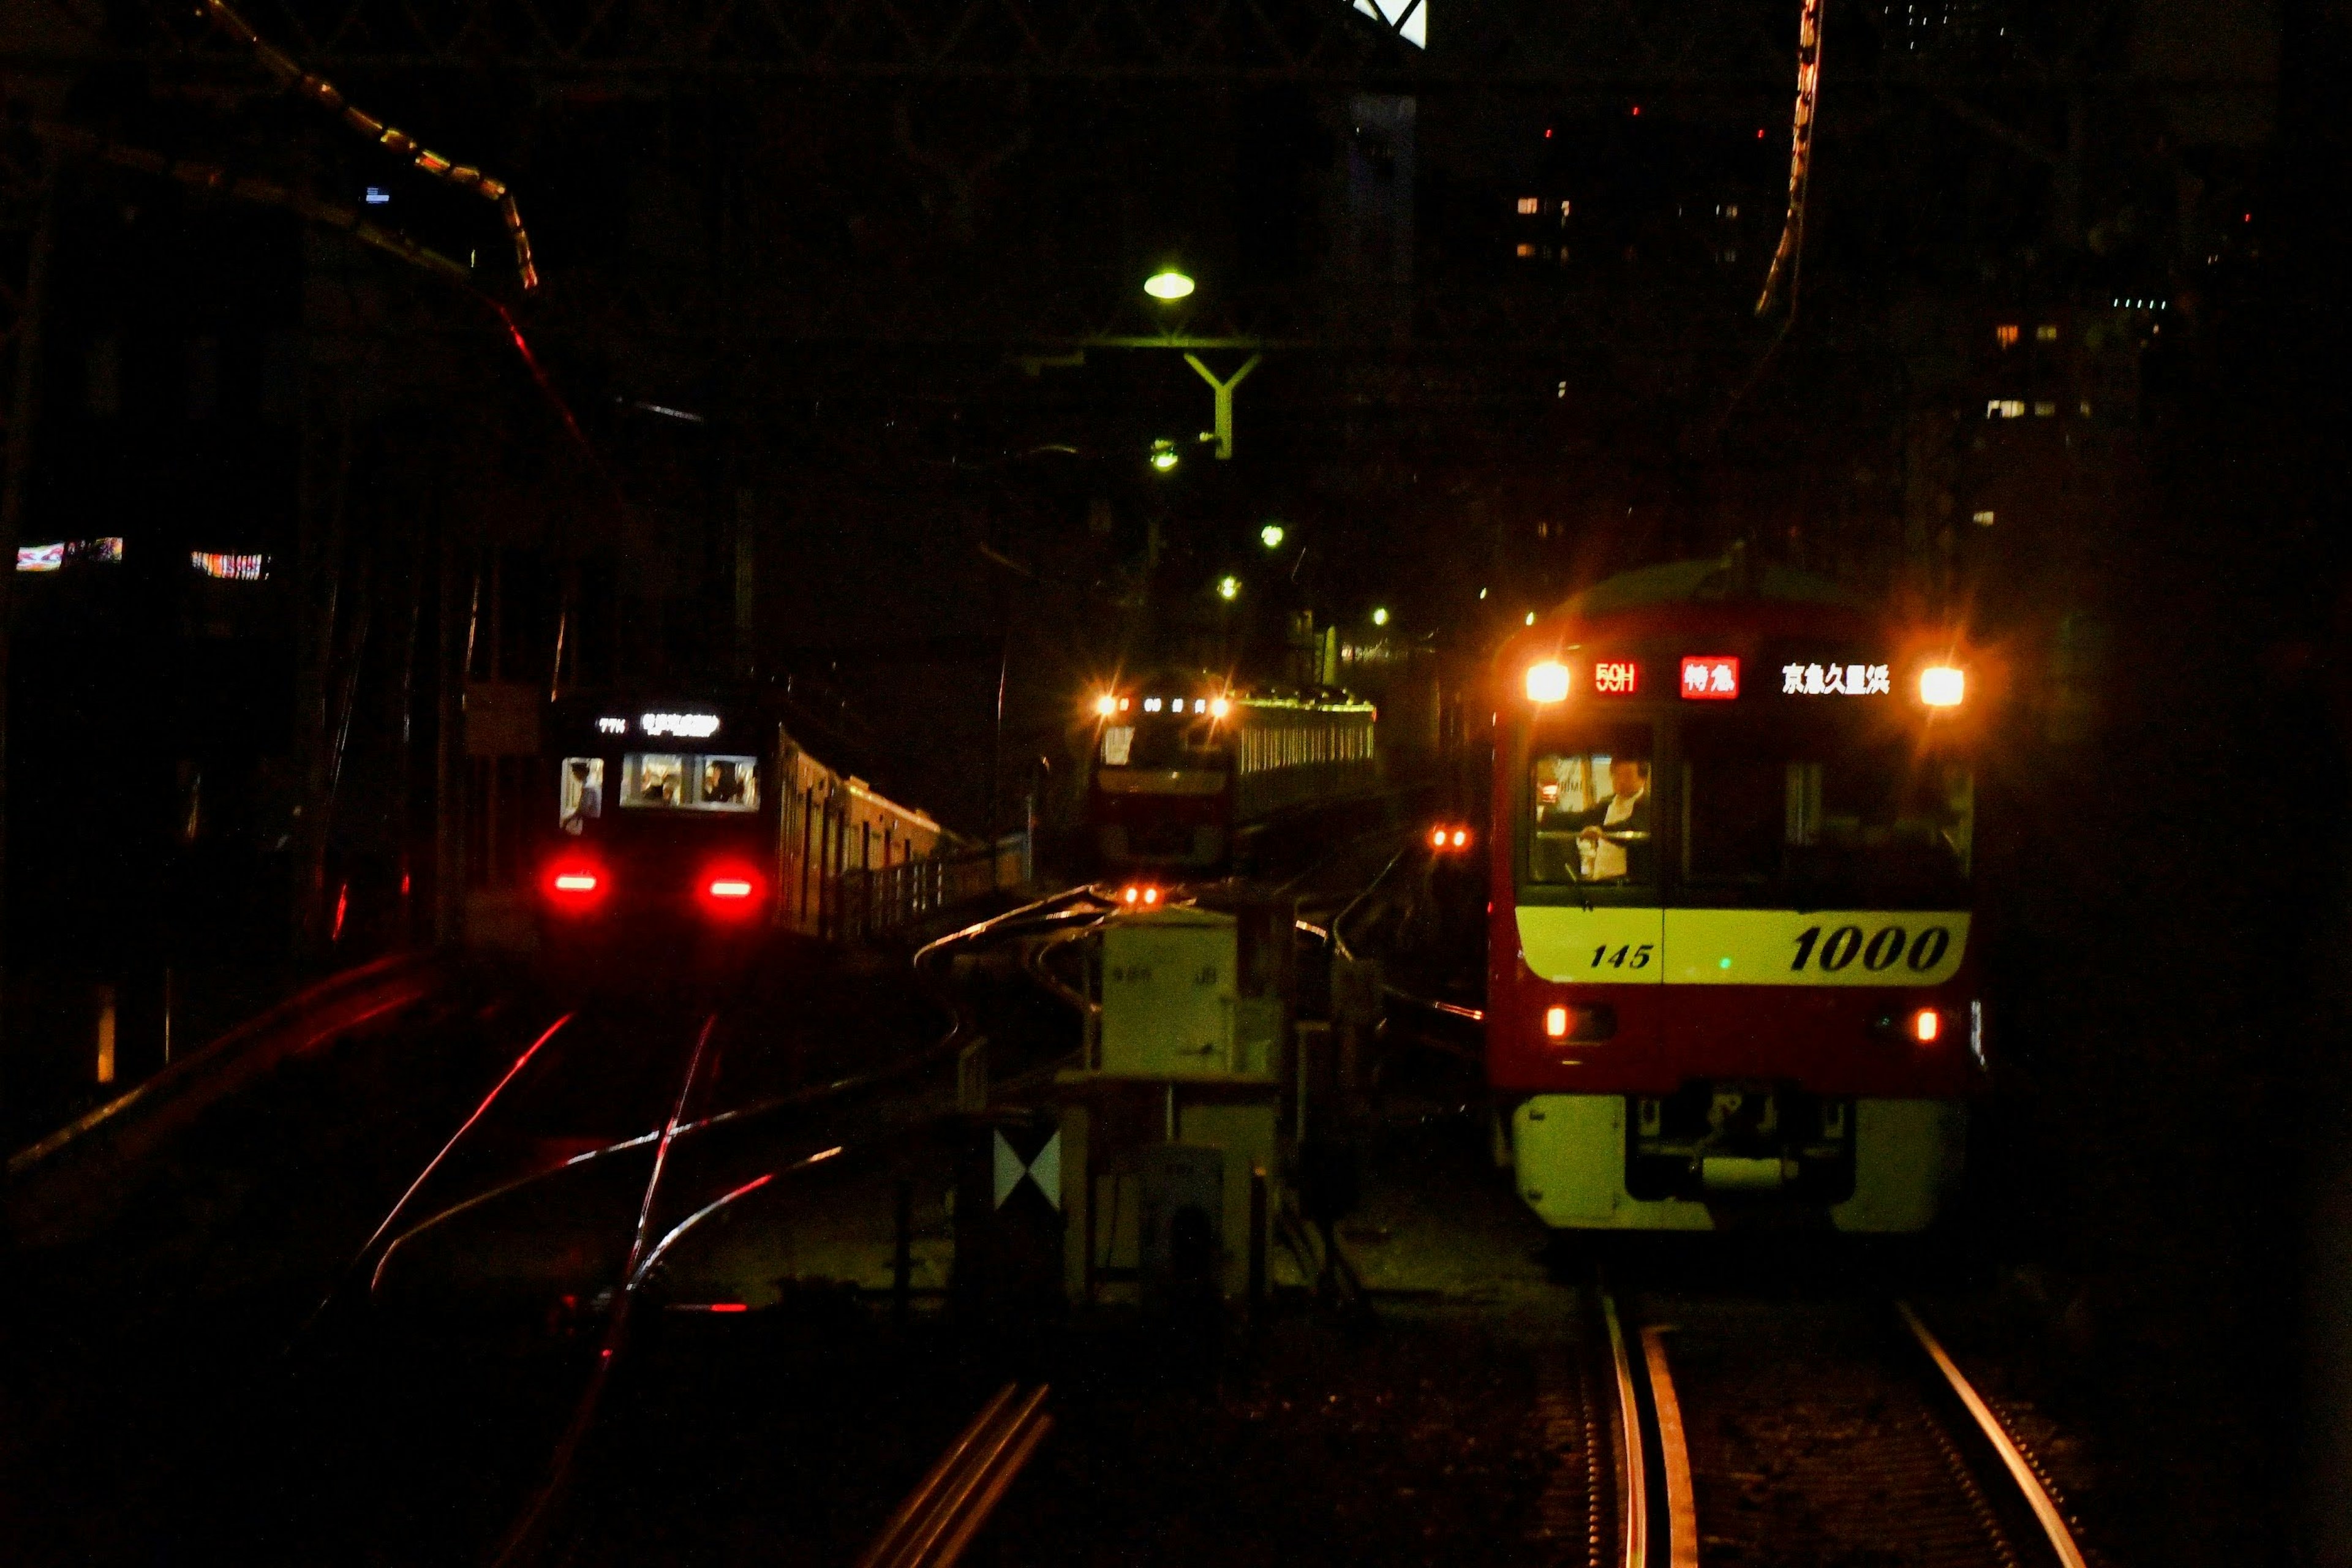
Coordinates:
[1732,952]
[1182,762]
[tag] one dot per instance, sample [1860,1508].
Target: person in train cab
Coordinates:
[587,799]
[1615,830]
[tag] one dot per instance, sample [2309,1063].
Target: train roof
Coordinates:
[1725,580]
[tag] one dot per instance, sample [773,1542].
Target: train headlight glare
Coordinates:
[1941,686]
[1461,838]
[1219,707]
[1556,1022]
[1548,681]
[1105,705]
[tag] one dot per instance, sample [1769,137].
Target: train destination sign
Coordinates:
[1616,678]
[1710,678]
[1836,681]
[691,726]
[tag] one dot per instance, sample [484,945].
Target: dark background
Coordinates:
[889,272]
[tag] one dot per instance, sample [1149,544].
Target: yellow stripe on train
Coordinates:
[1742,947]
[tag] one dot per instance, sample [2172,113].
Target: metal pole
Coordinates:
[22,411]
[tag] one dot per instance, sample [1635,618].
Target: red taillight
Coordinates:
[575,884]
[730,891]
[1556,1022]
[1926,1024]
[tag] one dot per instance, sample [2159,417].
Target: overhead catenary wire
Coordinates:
[391,138]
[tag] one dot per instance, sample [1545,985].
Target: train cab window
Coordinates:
[729,783]
[1117,741]
[684,782]
[583,794]
[1822,818]
[1590,804]
[653,778]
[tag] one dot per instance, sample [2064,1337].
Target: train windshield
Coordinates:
[687,780]
[1822,818]
[1155,742]
[1590,795]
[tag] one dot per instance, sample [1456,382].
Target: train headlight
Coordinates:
[1941,686]
[1105,705]
[1219,707]
[1548,681]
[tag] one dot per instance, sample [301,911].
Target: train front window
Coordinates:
[675,781]
[583,794]
[1174,743]
[1823,818]
[1589,799]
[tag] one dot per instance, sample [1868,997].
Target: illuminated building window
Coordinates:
[1564,209]
[69,552]
[1531,205]
[2047,332]
[1981,519]
[2044,409]
[2005,408]
[2006,336]
[231,568]
[1524,248]
[2084,408]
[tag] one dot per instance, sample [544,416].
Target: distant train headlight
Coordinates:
[1941,686]
[1548,681]
[1219,707]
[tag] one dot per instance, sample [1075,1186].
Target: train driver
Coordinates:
[1616,833]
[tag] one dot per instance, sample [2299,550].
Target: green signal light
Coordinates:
[1169,285]
[1271,535]
[1163,456]
[1381,617]
[1229,587]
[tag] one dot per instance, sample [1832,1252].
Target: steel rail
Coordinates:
[2037,1496]
[1633,1482]
[523,1537]
[392,1214]
[1673,1454]
[938,1519]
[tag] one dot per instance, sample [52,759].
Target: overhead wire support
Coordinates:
[391,138]
[1788,256]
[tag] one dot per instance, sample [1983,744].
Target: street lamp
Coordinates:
[1169,285]
[1229,587]
[1271,535]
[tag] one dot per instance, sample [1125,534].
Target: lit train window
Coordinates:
[685,782]
[653,778]
[1117,739]
[583,793]
[1589,801]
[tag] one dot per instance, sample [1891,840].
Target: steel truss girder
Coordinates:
[1568,45]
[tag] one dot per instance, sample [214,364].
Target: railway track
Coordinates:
[1773,1432]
